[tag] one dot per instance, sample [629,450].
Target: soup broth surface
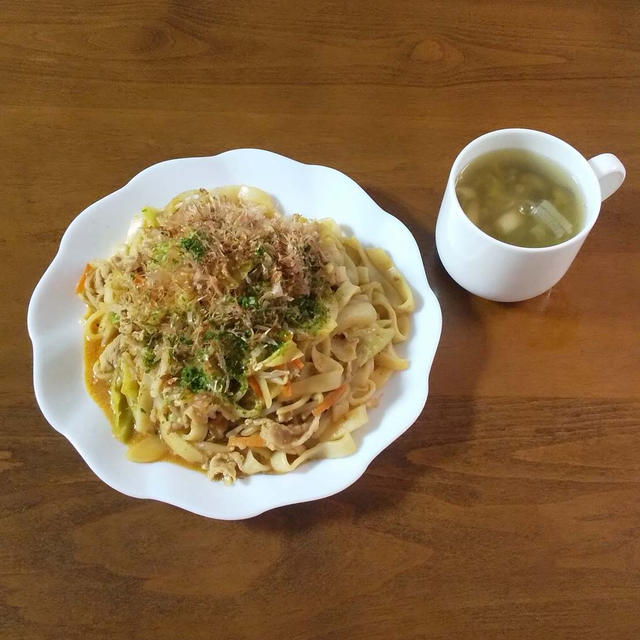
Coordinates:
[521,198]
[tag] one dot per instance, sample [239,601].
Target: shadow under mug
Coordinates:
[503,272]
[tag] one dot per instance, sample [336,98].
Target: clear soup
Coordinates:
[521,198]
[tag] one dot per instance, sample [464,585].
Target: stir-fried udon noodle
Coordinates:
[239,340]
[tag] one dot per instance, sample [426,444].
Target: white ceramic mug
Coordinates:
[499,271]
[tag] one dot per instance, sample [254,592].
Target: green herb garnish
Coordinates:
[234,352]
[194,379]
[305,312]
[148,359]
[248,302]
[194,244]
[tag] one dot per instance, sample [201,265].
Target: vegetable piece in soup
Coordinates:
[521,198]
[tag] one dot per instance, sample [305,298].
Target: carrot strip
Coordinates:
[138,279]
[286,390]
[242,442]
[83,277]
[297,364]
[253,383]
[330,400]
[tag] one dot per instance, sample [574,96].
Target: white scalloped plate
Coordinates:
[55,330]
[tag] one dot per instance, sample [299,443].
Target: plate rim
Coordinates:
[429,299]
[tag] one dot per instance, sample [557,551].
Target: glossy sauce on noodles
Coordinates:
[240,340]
[98,389]
[99,392]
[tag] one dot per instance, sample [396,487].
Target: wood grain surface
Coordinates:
[511,509]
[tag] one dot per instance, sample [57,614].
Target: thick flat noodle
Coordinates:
[380,375]
[389,359]
[362,374]
[356,314]
[197,426]
[329,325]
[241,340]
[371,340]
[400,323]
[319,383]
[106,330]
[381,260]
[339,409]
[323,362]
[181,447]
[345,292]
[92,329]
[339,448]
[351,269]
[403,328]
[251,465]
[286,411]
[363,275]
[344,349]
[353,420]
[360,395]
[376,275]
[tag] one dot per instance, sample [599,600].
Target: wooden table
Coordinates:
[511,509]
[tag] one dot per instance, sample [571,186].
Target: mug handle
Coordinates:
[610,173]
